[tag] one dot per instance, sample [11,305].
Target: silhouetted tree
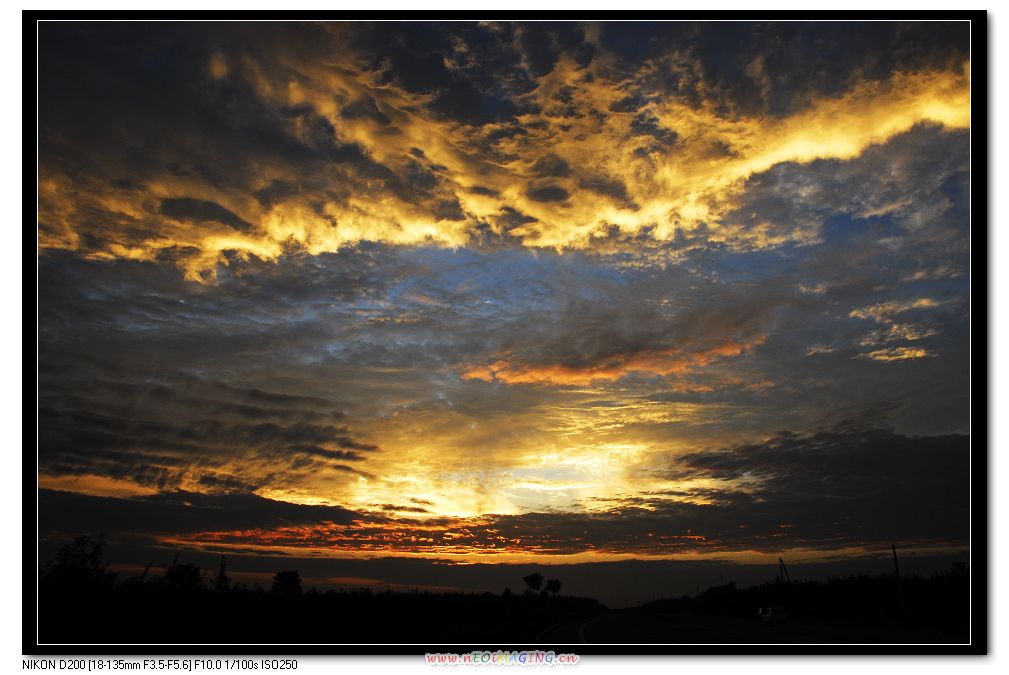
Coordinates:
[183,577]
[79,566]
[553,586]
[223,583]
[287,582]
[534,581]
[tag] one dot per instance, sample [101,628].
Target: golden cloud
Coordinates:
[897,354]
[569,175]
[883,311]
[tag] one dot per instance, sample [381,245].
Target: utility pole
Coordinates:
[783,571]
[896,573]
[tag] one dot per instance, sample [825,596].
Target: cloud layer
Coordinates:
[533,291]
[546,137]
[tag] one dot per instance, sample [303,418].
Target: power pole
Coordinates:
[896,573]
[783,571]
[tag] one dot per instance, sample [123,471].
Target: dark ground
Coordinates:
[639,627]
[80,601]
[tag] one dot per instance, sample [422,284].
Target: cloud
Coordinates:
[832,490]
[354,136]
[601,366]
[892,331]
[163,429]
[496,287]
[896,354]
[199,211]
[175,512]
[844,482]
[882,312]
[615,366]
[848,486]
[645,326]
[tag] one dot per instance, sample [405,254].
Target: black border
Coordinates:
[980,450]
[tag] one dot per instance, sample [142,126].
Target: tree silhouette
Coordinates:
[79,566]
[81,602]
[223,583]
[534,581]
[287,582]
[183,577]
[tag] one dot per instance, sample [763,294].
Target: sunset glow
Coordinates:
[561,293]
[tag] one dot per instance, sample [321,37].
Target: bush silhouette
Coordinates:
[553,586]
[287,582]
[183,577]
[79,566]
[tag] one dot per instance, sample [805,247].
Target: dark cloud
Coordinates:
[661,331]
[842,485]
[912,187]
[471,71]
[510,218]
[177,512]
[798,61]
[551,166]
[610,188]
[646,125]
[547,193]
[404,509]
[199,211]
[162,427]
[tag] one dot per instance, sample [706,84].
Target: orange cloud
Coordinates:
[650,362]
[462,537]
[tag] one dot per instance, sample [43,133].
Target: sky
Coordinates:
[399,302]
